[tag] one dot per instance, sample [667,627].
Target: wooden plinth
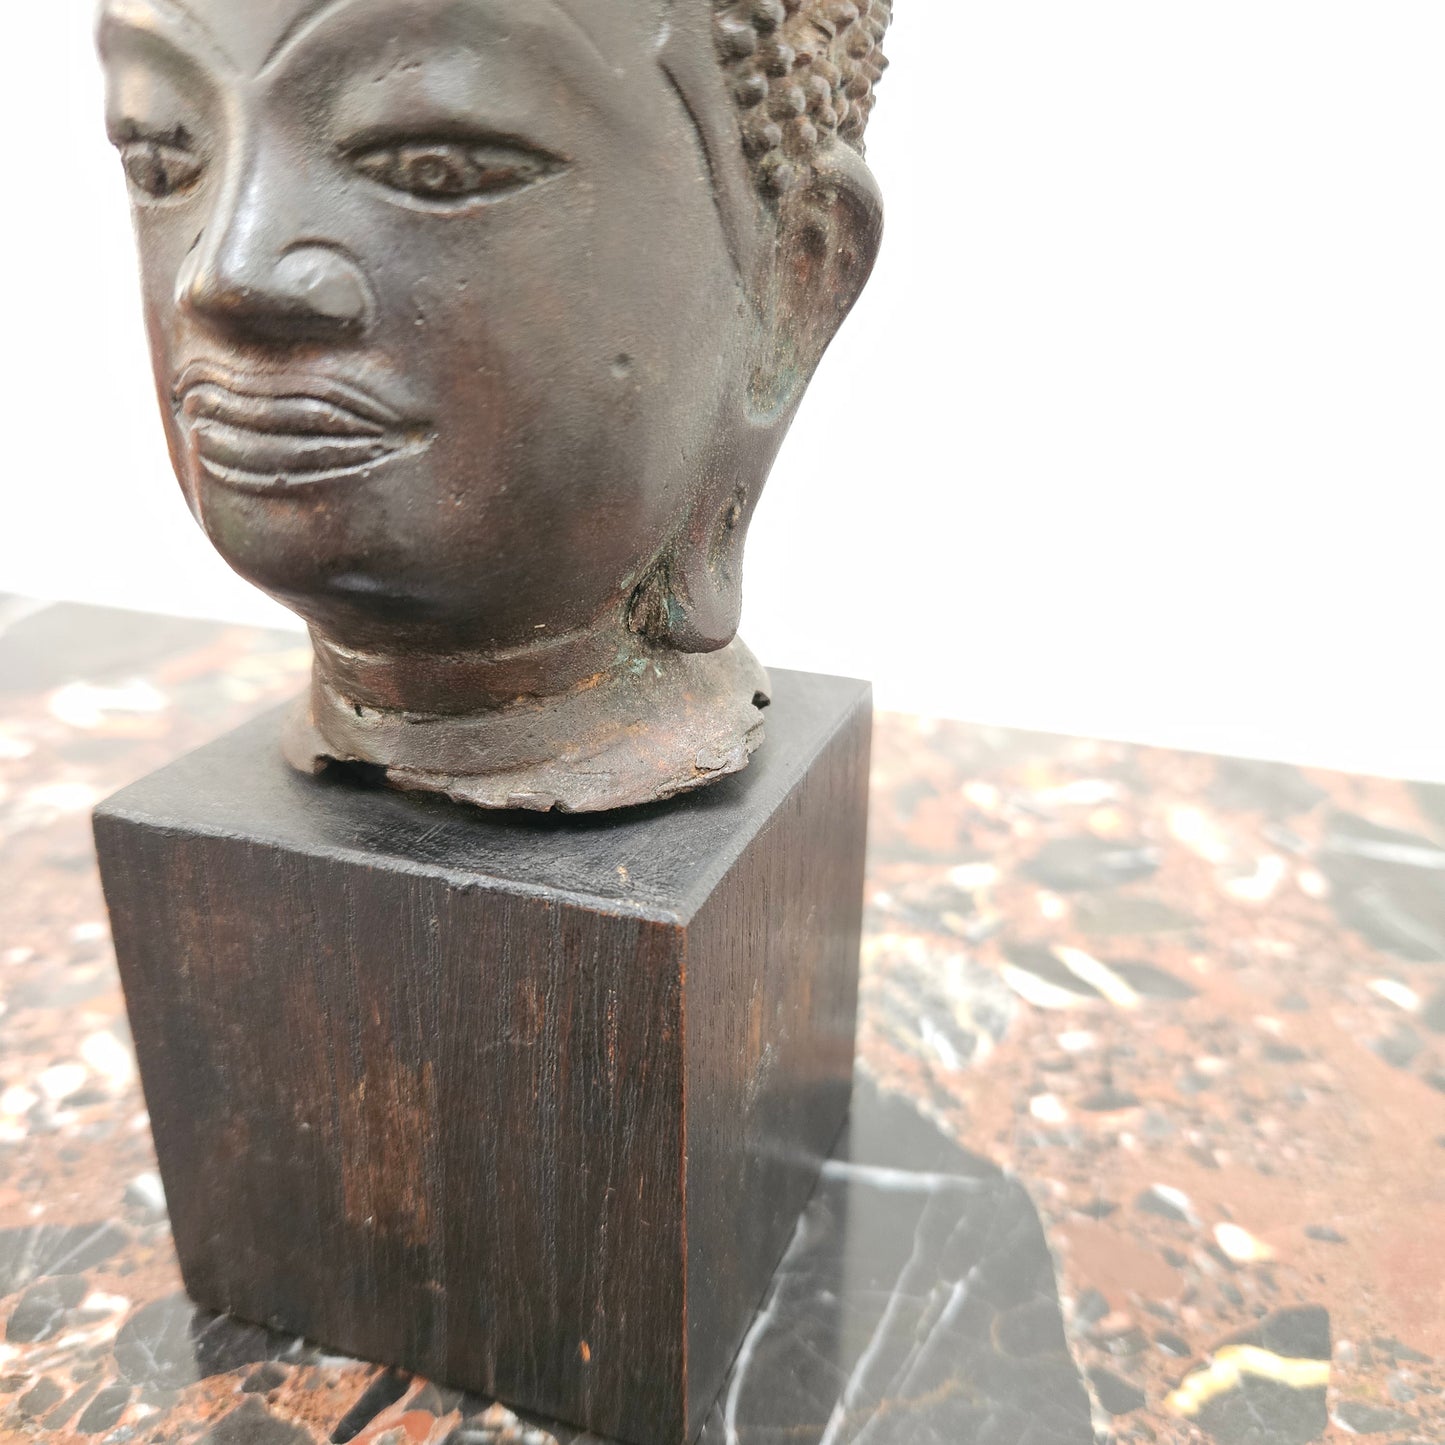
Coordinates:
[527,1104]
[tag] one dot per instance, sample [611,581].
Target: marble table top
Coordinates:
[1148,1141]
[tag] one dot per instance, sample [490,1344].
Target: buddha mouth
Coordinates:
[278,433]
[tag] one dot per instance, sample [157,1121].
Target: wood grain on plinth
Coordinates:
[527,1104]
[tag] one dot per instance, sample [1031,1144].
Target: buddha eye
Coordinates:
[455,172]
[159,168]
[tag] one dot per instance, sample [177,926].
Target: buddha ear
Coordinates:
[829,227]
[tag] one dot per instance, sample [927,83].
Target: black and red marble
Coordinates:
[1148,1145]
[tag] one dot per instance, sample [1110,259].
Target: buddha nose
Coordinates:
[242,281]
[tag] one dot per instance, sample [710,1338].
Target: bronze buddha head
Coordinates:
[477,325]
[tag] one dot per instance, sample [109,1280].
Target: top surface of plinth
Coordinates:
[661,860]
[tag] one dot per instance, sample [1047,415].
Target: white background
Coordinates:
[1137,432]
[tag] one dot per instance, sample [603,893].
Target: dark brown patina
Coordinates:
[477,325]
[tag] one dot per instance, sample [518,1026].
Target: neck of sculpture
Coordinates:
[467,683]
[592,721]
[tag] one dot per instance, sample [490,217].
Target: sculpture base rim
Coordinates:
[661,724]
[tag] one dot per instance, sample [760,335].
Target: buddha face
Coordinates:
[457,317]
[440,305]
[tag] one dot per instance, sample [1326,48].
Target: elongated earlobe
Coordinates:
[693,600]
[828,232]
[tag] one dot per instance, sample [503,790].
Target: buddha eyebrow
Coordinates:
[155,17]
[311,16]
[315,15]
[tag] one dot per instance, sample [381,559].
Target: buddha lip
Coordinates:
[275,433]
[260,395]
